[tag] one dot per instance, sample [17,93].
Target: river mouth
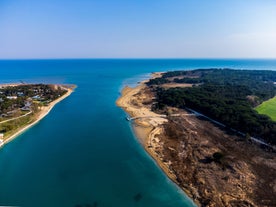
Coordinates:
[84,151]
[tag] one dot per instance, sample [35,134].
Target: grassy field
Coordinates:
[11,127]
[268,108]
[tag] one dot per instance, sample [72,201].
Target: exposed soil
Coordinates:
[244,175]
[214,167]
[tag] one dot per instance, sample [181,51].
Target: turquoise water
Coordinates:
[84,152]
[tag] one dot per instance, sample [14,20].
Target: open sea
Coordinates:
[84,153]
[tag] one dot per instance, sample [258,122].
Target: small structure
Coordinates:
[28,103]
[20,94]
[12,97]
[9,113]
[27,106]
[36,97]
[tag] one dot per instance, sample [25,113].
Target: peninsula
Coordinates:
[203,129]
[24,105]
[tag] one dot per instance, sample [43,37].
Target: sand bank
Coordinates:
[147,127]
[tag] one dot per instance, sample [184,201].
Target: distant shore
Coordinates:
[44,111]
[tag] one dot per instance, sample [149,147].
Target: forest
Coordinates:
[225,95]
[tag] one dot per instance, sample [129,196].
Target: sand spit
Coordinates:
[134,102]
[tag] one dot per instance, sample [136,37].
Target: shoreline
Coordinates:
[146,130]
[43,113]
[186,154]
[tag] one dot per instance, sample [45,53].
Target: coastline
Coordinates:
[45,110]
[147,129]
[233,181]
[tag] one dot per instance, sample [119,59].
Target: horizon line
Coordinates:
[146,58]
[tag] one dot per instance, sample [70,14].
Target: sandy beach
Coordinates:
[2,85]
[44,111]
[148,125]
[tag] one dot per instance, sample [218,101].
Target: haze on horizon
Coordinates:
[137,29]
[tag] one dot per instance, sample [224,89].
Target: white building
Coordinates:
[11,97]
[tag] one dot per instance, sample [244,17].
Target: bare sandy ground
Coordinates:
[43,112]
[175,85]
[9,84]
[146,129]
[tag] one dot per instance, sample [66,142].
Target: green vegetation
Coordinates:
[20,104]
[9,128]
[268,108]
[225,95]
[14,97]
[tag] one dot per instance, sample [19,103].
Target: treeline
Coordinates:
[44,92]
[259,82]
[30,90]
[223,96]
[157,81]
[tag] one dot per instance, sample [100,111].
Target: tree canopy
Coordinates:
[223,95]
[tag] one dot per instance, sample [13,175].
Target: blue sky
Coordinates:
[137,29]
